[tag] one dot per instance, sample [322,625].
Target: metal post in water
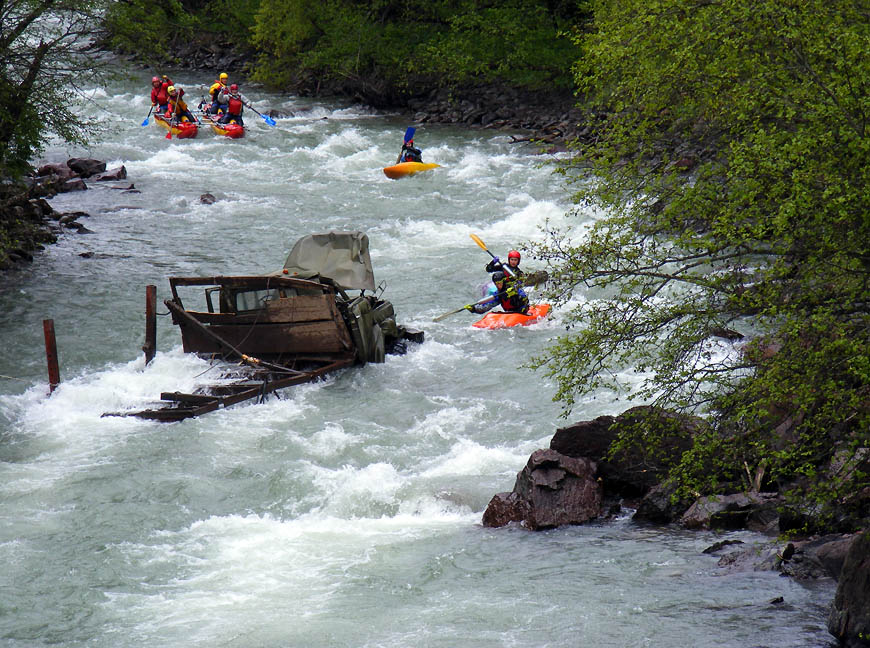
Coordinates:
[150,346]
[51,355]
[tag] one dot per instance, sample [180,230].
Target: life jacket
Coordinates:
[234,107]
[215,88]
[178,105]
[516,302]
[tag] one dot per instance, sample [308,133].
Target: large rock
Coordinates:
[660,507]
[735,511]
[550,491]
[635,469]
[62,171]
[115,174]
[849,618]
[86,167]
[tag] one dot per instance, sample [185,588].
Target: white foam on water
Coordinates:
[244,576]
[467,457]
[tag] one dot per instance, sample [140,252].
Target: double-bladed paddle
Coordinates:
[266,118]
[477,240]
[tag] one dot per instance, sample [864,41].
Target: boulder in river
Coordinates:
[550,491]
[86,167]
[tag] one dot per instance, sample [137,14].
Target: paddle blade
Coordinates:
[477,240]
[268,120]
[409,134]
[169,134]
[145,123]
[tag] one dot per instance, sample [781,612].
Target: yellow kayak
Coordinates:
[408,168]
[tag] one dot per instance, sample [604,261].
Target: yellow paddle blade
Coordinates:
[477,240]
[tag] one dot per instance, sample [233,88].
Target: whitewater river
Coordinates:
[347,512]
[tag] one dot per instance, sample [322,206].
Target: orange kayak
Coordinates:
[403,169]
[505,320]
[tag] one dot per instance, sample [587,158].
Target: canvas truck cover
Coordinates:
[342,257]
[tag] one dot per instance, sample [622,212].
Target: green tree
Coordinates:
[519,42]
[43,61]
[731,176]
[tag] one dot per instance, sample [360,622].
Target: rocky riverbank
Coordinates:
[28,222]
[577,480]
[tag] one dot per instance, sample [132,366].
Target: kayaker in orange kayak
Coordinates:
[495,265]
[507,293]
[410,153]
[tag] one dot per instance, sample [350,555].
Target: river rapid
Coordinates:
[346,512]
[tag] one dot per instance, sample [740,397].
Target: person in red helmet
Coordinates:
[513,265]
[159,93]
[504,292]
[410,153]
[235,101]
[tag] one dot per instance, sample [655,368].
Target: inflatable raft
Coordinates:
[408,168]
[505,320]
[232,130]
[181,130]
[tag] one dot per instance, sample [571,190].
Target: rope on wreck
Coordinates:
[14,378]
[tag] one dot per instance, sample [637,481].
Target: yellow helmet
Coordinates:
[170,89]
[224,76]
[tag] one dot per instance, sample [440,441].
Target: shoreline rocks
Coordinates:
[29,221]
[578,479]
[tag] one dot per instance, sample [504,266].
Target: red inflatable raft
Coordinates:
[181,130]
[232,129]
[505,320]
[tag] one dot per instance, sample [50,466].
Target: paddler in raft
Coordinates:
[217,107]
[160,93]
[178,110]
[506,292]
[234,101]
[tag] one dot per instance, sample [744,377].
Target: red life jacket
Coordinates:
[234,107]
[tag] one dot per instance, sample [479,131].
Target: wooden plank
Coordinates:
[304,308]
[270,339]
[256,282]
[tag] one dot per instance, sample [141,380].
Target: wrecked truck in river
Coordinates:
[319,313]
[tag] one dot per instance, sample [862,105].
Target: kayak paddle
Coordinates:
[483,245]
[145,123]
[266,118]
[459,310]
[467,307]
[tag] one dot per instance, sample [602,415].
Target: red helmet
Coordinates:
[513,254]
[155,79]
[234,88]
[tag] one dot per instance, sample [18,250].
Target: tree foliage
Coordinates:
[520,41]
[731,173]
[43,59]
